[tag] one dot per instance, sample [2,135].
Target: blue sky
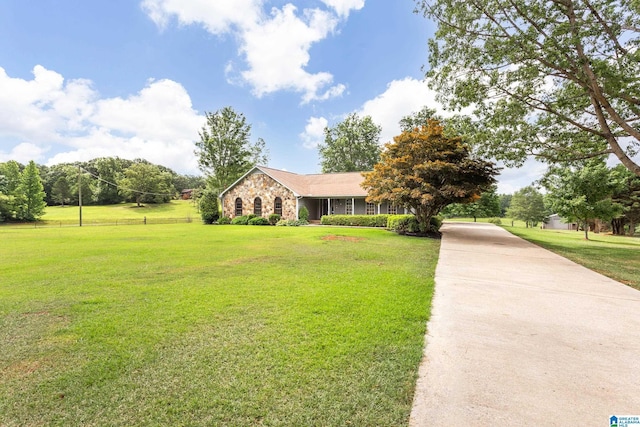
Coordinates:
[133,78]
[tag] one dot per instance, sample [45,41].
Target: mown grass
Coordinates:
[617,257]
[211,325]
[174,209]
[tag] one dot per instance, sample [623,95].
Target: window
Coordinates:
[371,209]
[257,206]
[392,209]
[277,206]
[238,206]
[349,207]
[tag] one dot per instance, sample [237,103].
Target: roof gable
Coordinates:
[345,184]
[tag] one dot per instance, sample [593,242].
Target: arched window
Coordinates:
[257,206]
[277,206]
[238,206]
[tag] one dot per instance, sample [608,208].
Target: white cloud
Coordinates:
[401,98]
[313,134]
[23,153]
[344,7]
[218,17]
[35,109]
[275,45]
[70,121]
[278,51]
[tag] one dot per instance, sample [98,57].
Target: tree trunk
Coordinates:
[586,230]
[617,226]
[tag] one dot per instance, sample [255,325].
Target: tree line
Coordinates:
[25,190]
[589,194]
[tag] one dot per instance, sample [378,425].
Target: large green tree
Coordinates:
[6,201]
[10,178]
[61,191]
[146,183]
[417,119]
[557,79]
[225,151]
[527,204]
[426,171]
[583,193]
[31,202]
[108,171]
[353,145]
[487,205]
[12,173]
[626,195]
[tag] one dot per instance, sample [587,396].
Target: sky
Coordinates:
[133,78]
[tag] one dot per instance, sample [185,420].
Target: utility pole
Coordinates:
[80,192]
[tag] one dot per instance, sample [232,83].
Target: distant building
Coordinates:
[186,194]
[555,222]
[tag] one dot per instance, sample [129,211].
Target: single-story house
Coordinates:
[264,191]
[555,222]
[186,193]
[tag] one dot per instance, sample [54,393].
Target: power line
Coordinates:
[119,187]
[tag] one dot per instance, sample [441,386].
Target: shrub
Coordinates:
[303,214]
[435,222]
[251,216]
[355,220]
[240,220]
[208,206]
[402,224]
[496,221]
[224,220]
[258,221]
[291,223]
[273,219]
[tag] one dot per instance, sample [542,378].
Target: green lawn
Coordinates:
[211,325]
[181,209]
[617,257]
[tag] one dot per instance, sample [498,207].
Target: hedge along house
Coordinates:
[264,191]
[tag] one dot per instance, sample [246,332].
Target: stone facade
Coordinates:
[267,189]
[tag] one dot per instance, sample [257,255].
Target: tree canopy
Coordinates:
[626,195]
[549,78]
[353,145]
[527,204]
[426,171]
[31,202]
[224,150]
[583,194]
[145,182]
[487,205]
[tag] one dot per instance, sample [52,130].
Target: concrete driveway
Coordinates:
[519,336]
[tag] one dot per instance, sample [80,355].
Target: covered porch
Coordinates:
[320,206]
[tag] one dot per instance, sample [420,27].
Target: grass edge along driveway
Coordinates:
[617,257]
[211,325]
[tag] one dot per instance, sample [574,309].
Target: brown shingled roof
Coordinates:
[346,184]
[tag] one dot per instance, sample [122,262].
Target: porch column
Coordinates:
[378,208]
[353,206]
[328,206]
